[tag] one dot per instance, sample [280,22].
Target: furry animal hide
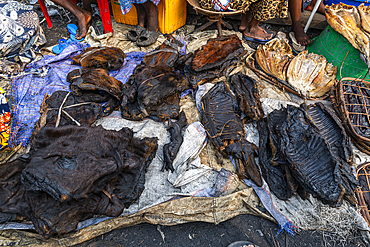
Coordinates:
[152,90]
[109,58]
[74,173]
[213,59]
[85,113]
[95,85]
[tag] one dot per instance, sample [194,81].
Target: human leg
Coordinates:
[86,5]
[246,19]
[295,7]
[82,16]
[141,14]
[263,10]
[152,16]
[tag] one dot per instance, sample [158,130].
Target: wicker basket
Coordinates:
[352,113]
[363,192]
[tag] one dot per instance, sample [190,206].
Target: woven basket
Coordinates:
[363,192]
[350,112]
[195,4]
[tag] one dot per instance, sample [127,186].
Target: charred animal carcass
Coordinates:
[70,110]
[109,58]
[152,91]
[246,91]
[331,129]
[221,119]
[272,162]
[95,85]
[166,54]
[314,147]
[213,59]
[171,149]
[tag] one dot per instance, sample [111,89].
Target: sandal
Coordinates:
[259,41]
[296,46]
[134,33]
[147,38]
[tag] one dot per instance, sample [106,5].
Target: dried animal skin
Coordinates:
[171,149]
[12,191]
[95,85]
[310,75]
[166,54]
[110,58]
[274,175]
[65,158]
[248,96]
[310,158]
[274,57]
[213,59]
[94,80]
[220,117]
[345,19]
[152,90]
[85,113]
[214,52]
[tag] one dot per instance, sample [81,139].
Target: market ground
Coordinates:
[244,227]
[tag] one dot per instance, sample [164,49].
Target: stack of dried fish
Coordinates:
[307,75]
[351,100]
[310,75]
[346,20]
[274,58]
[307,150]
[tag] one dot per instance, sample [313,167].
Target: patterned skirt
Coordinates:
[126,5]
[20,34]
[261,10]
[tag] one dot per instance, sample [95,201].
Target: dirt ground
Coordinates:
[244,227]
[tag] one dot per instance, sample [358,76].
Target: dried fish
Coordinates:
[345,19]
[311,75]
[365,17]
[274,57]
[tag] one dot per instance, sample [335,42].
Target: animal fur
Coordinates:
[110,58]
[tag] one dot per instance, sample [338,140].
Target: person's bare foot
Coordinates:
[300,35]
[321,8]
[83,22]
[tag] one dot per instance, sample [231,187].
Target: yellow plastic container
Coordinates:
[171,14]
